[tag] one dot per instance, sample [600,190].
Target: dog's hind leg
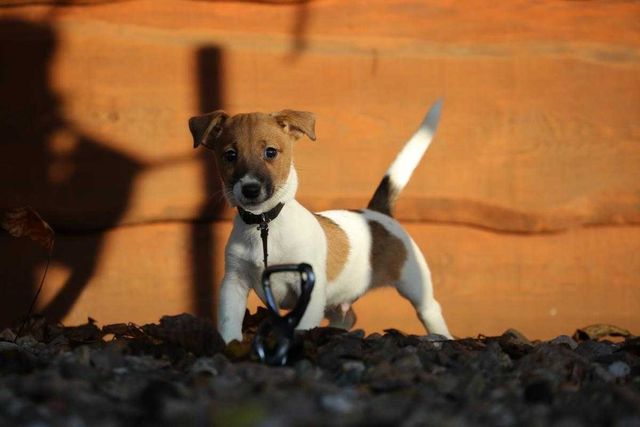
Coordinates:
[341,316]
[415,285]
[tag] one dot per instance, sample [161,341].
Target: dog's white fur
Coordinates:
[296,236]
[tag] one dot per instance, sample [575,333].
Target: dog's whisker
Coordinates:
[216,193]
[217,196]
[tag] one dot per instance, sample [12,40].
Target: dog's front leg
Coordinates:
[232,305]
[315,310]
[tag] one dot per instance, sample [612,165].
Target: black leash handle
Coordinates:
[280,329]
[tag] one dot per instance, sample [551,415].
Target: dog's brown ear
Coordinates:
[297,123]
[207,127]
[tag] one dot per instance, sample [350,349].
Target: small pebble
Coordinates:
[565,340]
[619,369]
[7,335]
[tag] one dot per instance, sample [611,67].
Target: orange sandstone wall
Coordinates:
[527,204]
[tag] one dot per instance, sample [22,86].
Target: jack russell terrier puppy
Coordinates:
[350,251]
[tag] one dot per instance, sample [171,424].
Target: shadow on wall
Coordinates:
[79,184]
[209,80]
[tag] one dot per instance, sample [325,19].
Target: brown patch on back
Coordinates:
[337,246]
[388,255]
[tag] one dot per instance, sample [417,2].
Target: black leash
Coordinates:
[275,336]
[262,221]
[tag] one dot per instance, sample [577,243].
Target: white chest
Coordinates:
[293,237]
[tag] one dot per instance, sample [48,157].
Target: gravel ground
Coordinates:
[179,372]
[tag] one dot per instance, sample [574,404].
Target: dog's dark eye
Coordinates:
[270,153]
[230,155]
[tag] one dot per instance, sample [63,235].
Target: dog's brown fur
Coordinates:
[249,135]
[388,255]
[337,246]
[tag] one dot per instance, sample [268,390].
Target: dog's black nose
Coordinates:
[251,191]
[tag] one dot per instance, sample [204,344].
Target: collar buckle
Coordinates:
[264,222]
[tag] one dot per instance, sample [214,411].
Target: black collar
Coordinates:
[263,218]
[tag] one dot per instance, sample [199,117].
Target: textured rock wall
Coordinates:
[527,204]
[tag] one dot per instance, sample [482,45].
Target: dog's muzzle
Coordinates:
[251,191]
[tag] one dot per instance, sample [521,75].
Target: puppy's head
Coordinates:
[254,153]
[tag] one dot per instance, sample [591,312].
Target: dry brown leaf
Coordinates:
[83,334]
[594,332]
[197,335]
[123,330]
[237,350]
[25,222]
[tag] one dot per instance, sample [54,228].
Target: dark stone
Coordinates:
[14,359]
[515,344]
[539,391]
[593,350]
